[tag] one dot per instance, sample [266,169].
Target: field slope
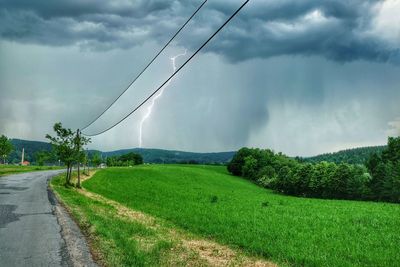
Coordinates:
[208,202]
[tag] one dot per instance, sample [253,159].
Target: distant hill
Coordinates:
[351,156]
[149,155]
[173,156]
[31,147]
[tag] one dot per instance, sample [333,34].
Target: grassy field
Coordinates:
[13,169]
[120,236]
[208,202]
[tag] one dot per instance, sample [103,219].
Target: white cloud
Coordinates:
[386,23]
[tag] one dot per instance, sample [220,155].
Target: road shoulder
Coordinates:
[76,245]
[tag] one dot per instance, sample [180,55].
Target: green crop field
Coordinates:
[14,169]
[209,202]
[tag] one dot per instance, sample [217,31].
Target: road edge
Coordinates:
[76,244]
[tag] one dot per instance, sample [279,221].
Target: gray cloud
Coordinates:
[286,90]
[337,30]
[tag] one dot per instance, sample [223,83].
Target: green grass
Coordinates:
[207,201]
[113,239]
[14,169]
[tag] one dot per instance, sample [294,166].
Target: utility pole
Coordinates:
[78,143]
[87,162]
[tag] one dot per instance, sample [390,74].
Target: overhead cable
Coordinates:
[146,67]
[174,74]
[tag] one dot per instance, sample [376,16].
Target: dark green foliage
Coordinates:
[129,159]
[96,159]
[352,156]
[214,199]
[378,180]
[134,158]
[43,157]
[237,162]
[68,148]
[5,147]
[172,156]
[385,172]
[31,150]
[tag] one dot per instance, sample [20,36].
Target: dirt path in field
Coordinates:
[188,249]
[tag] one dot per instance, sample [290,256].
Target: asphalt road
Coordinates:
[30,234]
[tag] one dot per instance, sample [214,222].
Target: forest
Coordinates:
[357,155]
[377,179]
[125,160]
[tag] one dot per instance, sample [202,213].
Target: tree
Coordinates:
[63,144]
[236,164]
[131,159]
[392,152]
[42,157]
[249,169]
[5,147]
[96,159]
[79,141]
[385,172]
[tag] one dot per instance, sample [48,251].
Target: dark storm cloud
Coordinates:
[337,30]
[76,8]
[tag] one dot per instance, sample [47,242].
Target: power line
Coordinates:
[148,65]
[173,75]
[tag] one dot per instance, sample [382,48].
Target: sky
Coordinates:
[298,76]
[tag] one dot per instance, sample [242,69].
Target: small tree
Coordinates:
[96,159]
[42,157]
[64,148]
[5,147]
[79,142]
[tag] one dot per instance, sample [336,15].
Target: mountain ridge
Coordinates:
[156,155]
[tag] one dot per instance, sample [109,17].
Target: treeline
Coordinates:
[378,179]
[35,152]
[352,156]
[126,160]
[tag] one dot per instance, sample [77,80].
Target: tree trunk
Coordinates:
[67,176]
[79,177]
[70,174]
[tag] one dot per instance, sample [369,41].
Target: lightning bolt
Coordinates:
[154,99]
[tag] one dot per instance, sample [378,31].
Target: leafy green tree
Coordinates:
[384,169]
[302,178]
[395,182]
[325,179]
[131,158]
[236,164]
[96,159]
[357,184]
[63,144]
[315,185]
[249,169]
[285,183]
[392,152]
[42,157]
[5,147]
[79,142]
